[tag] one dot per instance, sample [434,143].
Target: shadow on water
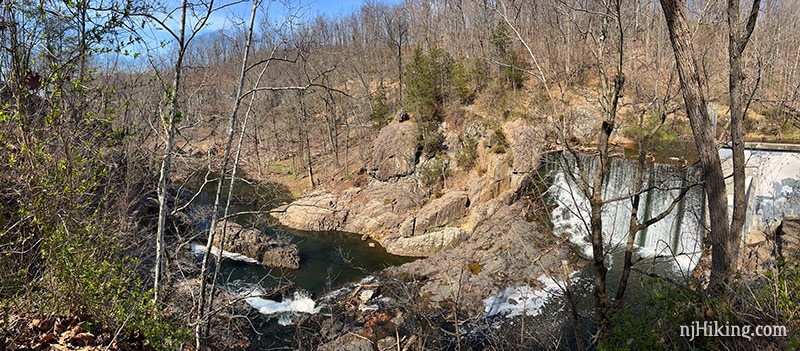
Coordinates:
[327,259]
[666,152]
[247,195]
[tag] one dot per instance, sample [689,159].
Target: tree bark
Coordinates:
[736,45]
[163,178]
[203,321]
[692,85]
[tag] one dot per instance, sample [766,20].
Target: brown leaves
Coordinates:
[46,333]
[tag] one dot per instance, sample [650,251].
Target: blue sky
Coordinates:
[335,8]
[236,16]
[306,9]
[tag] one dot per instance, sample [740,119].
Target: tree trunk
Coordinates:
[692,86]
[203,320]
[736,46]
[163,178]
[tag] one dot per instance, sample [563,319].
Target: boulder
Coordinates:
[480,212]
[395,151]
[398,195]
[443,211]
[788,237]
[503,251]
[348,342]
[252,243]
[526,143]
[424,245]
[315,212]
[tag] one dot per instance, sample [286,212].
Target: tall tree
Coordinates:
[203,316]
[725,236]
[738,38]
[171,118]
[604,24]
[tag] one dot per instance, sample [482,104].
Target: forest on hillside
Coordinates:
[109,108]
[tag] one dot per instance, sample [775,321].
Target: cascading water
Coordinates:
[677,238]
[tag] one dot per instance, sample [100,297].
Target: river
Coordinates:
[328,260]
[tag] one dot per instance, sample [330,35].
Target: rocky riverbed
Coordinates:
[479,234]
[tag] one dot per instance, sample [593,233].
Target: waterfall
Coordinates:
[676,239]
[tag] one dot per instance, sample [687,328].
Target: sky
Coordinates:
[277,9]
[308,9]
[335,8]
[160,41]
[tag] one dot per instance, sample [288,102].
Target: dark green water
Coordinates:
[327,259]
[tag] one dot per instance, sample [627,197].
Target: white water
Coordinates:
[283,310]
[676,238]
[523,299]
[201,249]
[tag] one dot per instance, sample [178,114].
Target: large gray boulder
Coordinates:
[424,245]
[395,151]
[446,210]
[526,142]
[252,243]
[315,212]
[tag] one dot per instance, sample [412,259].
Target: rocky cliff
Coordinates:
[397,209]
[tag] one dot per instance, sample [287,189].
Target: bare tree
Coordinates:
[738,38]
[172,117]
[202,322]
[602,24]
[725,236]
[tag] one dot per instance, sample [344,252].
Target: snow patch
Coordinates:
[523,299]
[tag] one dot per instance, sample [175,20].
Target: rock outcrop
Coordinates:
[788,237]
[395,151]
[440,212]
[526,145]
[389,207]
[504,248]
[424,245]
[319,211]
[252,243]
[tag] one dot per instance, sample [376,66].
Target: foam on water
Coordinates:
[284,310]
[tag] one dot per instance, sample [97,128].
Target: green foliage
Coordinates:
[432,140]
[512,71]
[162,333]
[468,154]
[424,84]
[435,170]
[768,301]
[381,113]
[499,141]
[66,246]
[464,85]
[433,79]
[773,112]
